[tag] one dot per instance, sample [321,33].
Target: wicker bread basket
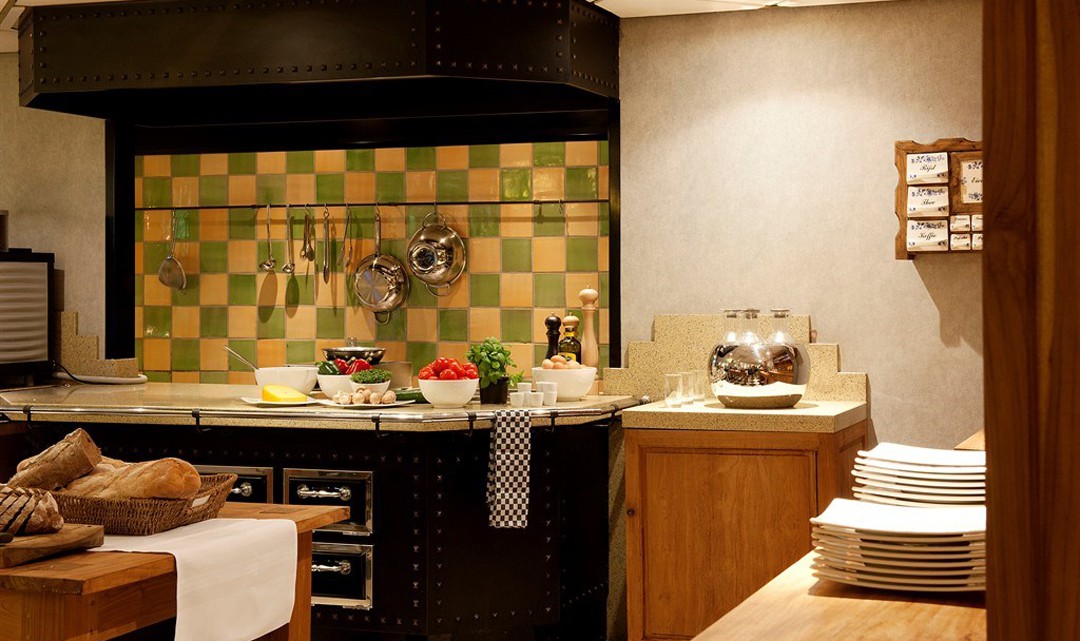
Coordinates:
[148,516]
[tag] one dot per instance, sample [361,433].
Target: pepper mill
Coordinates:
[553,324]
[590,349]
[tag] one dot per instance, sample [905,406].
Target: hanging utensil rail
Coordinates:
[400,203]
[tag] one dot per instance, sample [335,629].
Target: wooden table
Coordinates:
[93,596]
[976,441]
[795,606]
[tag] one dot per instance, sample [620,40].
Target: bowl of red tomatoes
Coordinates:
[448,383]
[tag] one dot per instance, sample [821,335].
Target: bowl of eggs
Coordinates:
[572,379]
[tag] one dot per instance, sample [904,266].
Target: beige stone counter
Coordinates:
[220,405]
[807,416]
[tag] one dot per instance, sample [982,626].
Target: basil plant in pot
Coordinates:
[492,359]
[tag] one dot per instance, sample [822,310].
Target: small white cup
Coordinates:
[524,388]
[550,397]
[536,399]
[547,386]
[517,399]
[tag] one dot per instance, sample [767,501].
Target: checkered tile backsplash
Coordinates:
[525,261]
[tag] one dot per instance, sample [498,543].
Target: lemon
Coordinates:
[282,394]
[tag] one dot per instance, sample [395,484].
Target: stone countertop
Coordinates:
[220,405]
[807,416]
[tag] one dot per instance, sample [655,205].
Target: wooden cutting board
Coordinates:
[72,536]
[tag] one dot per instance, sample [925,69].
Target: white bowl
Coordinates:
[332,384]
[371,387]
[449,394]
[572,383]
[299,377]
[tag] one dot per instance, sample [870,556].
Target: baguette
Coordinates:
[29,511]
[60,464]
[12,513]
[168,478]
[45,518]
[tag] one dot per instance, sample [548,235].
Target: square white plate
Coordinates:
[873,468]
[915,483]
[965,499]
[910,502]
[895,566]
[885,519]
[952,550]
[892,579]
[975,493]
[939,470]
[884,586]
[925,455]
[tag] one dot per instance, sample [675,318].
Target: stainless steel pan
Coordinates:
[436,255]
[380,281]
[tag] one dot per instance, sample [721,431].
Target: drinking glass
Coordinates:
[673,390]
[687,388]
[700,385]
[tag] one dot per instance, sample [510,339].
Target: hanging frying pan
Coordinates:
[380,281]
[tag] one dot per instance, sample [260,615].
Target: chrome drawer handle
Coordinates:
[244,490]
[341,567]
[343,493]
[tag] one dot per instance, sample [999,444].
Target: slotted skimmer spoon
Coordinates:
[171,272]
[268,264]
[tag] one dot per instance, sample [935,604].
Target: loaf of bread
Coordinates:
[28,511]
[168,478]
[60,464]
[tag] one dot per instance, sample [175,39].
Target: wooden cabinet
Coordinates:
[715,515]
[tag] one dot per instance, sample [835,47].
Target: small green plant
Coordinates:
[492,359]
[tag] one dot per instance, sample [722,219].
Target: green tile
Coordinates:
[581,183]
[246,348]
[185,354]
[605,358]
[243,223]
[139,353]
[190,296]
[139,164]
[300,162]
[187,224]
[213,257]
[550,220]
[517,255]
[158,377]
[157,322]
[605,298]
[394,329]
[581,254]
[213,191]
[414,218]
[452,185]
[515,184]
[299,290]
[395,247]
[603,150]
[330,188]
[539,354]
[140,220]
[421,354]
[271,322]
[240,164]
[453,324]
[329,323]
[139,289]
[605,219]
[157,192]
[360,159]
[390,187]
[549,290]
[300,352]
[185,165]
[516,325]
[484,220]
[242,289]
[363,223]
[270,189]
[549,154]
[214,322]
[153,254]
[484,156]
[484,290]
[278,246]
[214,378]
[419,296]
[420,158]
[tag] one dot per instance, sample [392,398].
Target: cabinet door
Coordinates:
[709,524]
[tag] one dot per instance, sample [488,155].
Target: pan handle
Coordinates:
[382,318]
[438,290]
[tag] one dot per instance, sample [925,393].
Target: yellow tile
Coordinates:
[213,289]
[483,184]
[420,186]
[522,355]
[271,352]
[138,192]
[188,255]
[581,152]
[549,254]
[360,187]
[270,289]
[243,256]
[154,293]
[549,183]
[157,354]
[157,226]
[157,166]
[300,188]
[575,282]
[185,322]
[212,354]
[329,161]
[214,224]
[458,296]
[605,326]
[393,223]
[516,221]
[423,324]
[516,155]
[139,329]
[451,350]
[185,377]
[539,328]
[185,192]
[484,322]
[243,322]
[485,255]
[300,323]
[330,294]
[270,162]
[603,184]
[139,267]
[603,256]
[456,157]
[359,323]
[214,165]
[582,219]
[457,218]
[395,350]
[242,190]
[390,159]
[516,290]
[242,378]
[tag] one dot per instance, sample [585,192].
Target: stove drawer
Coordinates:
[334,487]
[341,575]
[253,484]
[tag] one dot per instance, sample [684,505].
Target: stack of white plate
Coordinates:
[901,548]
[918,476]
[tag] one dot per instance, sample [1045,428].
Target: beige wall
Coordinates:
[757,170]
[52,181]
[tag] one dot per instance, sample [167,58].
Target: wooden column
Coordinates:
[1032,317]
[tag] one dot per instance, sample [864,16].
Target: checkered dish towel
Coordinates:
[508,470]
